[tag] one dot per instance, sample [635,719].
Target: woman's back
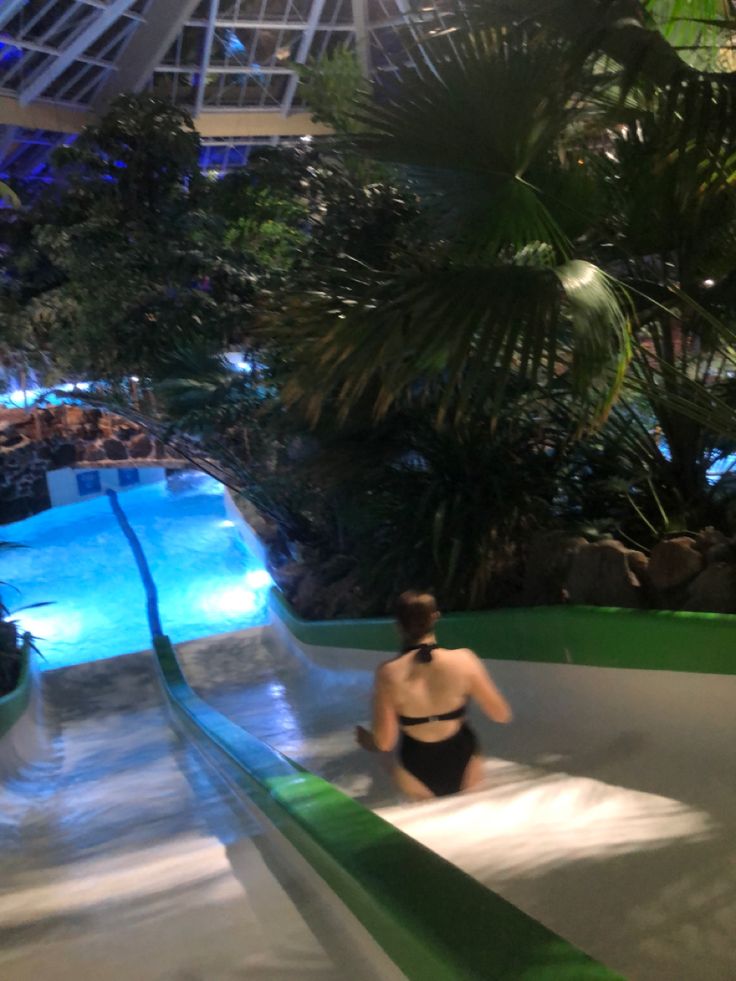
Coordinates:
[429,687]
[419,701]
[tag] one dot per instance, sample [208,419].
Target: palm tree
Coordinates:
[501,284]
[510,135]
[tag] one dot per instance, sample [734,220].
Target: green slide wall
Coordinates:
[609,638]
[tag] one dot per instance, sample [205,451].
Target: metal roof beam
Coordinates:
[42,115]
[49,50]
[268,25]
[70,52]
[10,9]
[252,69]
[209,35]
[211,124]
[362,36]
[146,49]
[7,139]
[315,15]
[101,5]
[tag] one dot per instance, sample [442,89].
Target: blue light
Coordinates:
[233,44]
[9,52]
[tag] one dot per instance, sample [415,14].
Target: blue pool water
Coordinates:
[25,399]
[79,560]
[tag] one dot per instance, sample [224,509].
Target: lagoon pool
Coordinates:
[79,561]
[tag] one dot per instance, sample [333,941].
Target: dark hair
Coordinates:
[415,614]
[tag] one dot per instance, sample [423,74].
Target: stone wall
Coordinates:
[691,572]
[35,441]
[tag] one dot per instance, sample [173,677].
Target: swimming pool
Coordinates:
[78,560]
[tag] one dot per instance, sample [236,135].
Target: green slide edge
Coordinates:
[14,703]
[433,920]
[703,643]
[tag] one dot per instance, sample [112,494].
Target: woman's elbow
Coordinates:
[503,714]
[384,743]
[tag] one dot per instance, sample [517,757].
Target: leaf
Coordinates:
[8,197]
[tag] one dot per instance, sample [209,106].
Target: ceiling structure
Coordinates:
[230,63]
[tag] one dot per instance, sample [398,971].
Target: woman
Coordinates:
[420,699]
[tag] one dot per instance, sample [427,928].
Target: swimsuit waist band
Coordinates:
[410,720]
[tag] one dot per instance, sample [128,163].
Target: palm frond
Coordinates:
[629,33]
[699,34]
[472,328]
[600,314]
[479,131]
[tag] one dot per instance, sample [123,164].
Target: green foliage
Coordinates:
[117,263]
[8,197]
[136,160]
[701,33]
[334,88]
[465,302]
[267,223]
[11,641]
[445,507]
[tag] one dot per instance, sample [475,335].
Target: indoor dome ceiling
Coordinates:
[228,62]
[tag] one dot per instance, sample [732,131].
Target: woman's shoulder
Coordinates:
[387,667]
[456,652]
[456,659]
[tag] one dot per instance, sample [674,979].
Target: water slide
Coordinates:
[609,806]
[145,835]
[204,813]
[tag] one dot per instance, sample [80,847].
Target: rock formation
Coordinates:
[32,442]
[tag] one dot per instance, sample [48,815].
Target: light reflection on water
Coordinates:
[79,561]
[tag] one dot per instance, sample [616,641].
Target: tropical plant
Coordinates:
[12,641]
[133,250]
[8,197]
[502,129]
[500,285]
[331,86]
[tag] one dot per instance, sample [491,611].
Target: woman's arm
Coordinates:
[486,694]
[385,722]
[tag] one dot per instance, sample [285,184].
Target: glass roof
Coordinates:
[209,56]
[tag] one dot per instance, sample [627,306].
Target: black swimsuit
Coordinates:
[440,766]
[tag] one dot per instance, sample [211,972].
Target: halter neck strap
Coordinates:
[423,653]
